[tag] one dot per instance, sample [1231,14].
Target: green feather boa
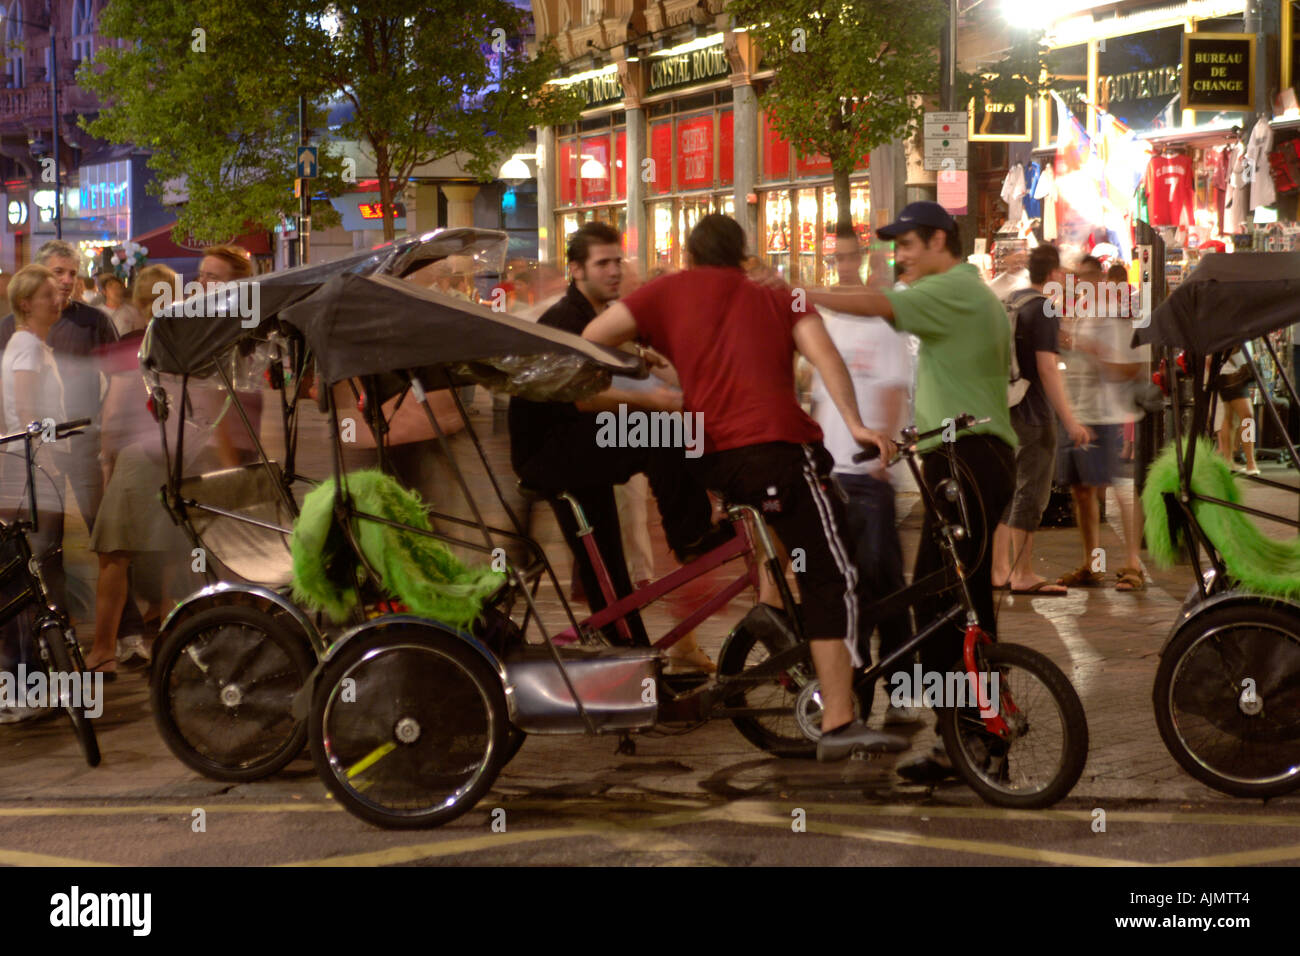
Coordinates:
[417,570]
[1262,564]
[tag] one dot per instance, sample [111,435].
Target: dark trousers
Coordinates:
[571,461]
[879,557]
[987,475]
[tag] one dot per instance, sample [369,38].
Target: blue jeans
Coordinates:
[879,556]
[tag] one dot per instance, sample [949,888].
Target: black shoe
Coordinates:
[857,737]
[718,534]
[931,768]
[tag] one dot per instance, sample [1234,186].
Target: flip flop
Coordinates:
[1037,589]
[109,676]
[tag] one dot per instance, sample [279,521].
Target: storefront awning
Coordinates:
[161,245]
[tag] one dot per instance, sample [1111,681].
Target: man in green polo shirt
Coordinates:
[962,368]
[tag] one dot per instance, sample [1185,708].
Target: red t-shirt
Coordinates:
[731,342]
[1171,191]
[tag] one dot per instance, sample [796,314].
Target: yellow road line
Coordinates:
[185,809]
[424,851]
[1030,816]
[21,858]
[1273,854]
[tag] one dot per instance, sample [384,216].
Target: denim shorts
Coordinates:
[1093,466]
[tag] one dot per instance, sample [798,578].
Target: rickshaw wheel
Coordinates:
[409,727]
[1227,699]
[222,690]
[780,734]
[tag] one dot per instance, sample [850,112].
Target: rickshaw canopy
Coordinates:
[1227,300]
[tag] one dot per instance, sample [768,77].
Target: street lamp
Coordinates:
[38,143]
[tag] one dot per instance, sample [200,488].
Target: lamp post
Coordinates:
[54,103]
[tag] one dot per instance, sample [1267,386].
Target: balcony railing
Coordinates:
[30,101]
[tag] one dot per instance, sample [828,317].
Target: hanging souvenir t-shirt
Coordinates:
[1045,193]
[1013,191]
[1033,205]
[1235,206]
[1171,190]
[1262,192]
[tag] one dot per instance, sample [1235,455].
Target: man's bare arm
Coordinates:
[855,301]
[612,327]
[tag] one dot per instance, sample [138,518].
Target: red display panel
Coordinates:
[726,147]
[567,173]
[661,151]
[620,163]
[596,188]
[695,153]
[776,153]
[812,165]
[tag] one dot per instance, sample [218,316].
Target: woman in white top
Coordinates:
[33,392]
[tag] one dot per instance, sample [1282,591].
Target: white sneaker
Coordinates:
[131,650]
[16,715]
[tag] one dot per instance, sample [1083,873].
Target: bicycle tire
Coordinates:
[238,736]
[56,642]
[780,736]
[418,737]
[1201,710]
[973,751]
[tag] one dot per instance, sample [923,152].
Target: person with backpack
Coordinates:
[1036,393]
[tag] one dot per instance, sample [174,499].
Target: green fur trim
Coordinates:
[417,570]
[1262,564]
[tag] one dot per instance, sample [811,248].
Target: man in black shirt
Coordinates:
[553,445]
[1038,326]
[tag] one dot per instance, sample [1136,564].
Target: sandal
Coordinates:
[1130,579]
[1081,577]
[109,675]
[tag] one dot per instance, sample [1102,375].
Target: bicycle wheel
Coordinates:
[1042,760]
[1240,738]
[409,727]
[794,727]
[222,690]
[59,647]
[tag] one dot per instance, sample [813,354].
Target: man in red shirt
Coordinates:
[732,342]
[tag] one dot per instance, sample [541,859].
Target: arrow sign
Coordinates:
[306,162]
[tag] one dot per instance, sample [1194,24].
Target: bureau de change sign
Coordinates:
[1219,71]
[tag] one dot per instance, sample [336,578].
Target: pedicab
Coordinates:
[417,706]
[229,657]
[1227,689]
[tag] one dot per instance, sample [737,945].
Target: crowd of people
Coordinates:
[71,353]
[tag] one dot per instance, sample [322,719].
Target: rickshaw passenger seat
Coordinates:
[552,496]
[247,547]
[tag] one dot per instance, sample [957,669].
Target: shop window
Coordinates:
[661,235]
[595,153]
[776,230]
[567,173]
[695,152]
[726,147]
[661,152]
[620,163]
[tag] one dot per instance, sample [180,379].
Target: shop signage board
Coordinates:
[1000,122]
[1219,71]
[601,89]
[945,139]
[697,66]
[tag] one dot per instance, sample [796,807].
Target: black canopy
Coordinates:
[368,325]
[1227,300]
[189,334]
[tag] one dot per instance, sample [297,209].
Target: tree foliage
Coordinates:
[846,72]
[212,89]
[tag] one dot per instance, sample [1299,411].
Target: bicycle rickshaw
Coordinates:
[230,657]
[410,718]
[1227,690]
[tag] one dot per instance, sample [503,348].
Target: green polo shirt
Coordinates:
[965,359]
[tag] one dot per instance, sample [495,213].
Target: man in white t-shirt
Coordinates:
[880,365]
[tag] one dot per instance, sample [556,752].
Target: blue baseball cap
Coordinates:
[918,214]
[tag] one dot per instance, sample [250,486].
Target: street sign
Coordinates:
[945,139]
[306,162]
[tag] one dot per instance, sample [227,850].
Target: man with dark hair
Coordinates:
[1038,327]
[733,343]
[961,368]
[553,446]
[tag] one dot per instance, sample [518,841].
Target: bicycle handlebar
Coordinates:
[910,441]
[61,430]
